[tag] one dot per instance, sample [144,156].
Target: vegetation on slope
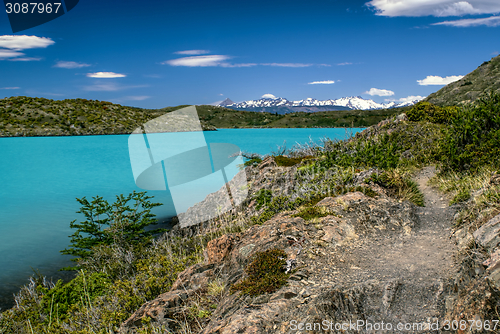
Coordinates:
[26,116]
[226,118]
[477,84]
[116,278]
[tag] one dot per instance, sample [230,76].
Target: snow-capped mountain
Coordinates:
[282,105]
[226,102]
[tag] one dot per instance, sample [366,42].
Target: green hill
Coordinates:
[27,116]
[477,84]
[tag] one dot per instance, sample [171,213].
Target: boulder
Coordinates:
[488,235]
[401,118]
[268,162]
[219,248]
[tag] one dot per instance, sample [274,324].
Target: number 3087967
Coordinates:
[32,7]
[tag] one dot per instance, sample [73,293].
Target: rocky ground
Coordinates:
[372,262]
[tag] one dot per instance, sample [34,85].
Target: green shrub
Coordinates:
[81,290]
[278,204]
[472,140]
[404,144]
[400,185]
[252,162]
[425,111]
[119,223]
[461,196]
[266,273]
[263,197]
[312,212]
[283,161]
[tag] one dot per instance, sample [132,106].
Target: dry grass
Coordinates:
[461,186]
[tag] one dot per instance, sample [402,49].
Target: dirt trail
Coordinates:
[371,259]
[416,269]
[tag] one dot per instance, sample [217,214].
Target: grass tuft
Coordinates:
[266,273]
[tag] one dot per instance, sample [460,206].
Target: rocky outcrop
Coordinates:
[360,262]
[488,236]
[354,265]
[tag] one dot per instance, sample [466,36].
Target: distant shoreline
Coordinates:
[120,134]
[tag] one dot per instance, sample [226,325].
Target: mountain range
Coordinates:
[283,106]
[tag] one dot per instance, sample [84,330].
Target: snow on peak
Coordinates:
[352,102]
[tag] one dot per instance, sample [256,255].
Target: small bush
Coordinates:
[472,140]
[283,161]
[400,185]
[266,273]
[461,185]
[216,288]
[425,111]
[403,144]
[120,223]
[81,290]
[252,162]
[263,197]
[461,196]
[277,205]
[312,212]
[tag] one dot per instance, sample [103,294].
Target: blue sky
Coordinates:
[155,54]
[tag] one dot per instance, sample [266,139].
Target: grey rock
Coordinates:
[401,118]
[488,235]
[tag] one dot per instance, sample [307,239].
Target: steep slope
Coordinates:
[474,85]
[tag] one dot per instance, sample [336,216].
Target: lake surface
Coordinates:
[42,176]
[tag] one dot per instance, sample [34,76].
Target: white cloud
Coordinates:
[70,64]
[407,99]
[137,98]
[221,61]
[325,82]
[439,8]
[439,81]
[26,59]
[288,64]
[10,88]
[493,21]
[198,61]
[379,92]
[268,96]
[5,53]
[110,87]
[238,65]
[457,9]
[192,52]
[343,64]
[411,98]
[11,45]
[105,75]
[23,42]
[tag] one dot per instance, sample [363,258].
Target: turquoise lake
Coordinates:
[42,176]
